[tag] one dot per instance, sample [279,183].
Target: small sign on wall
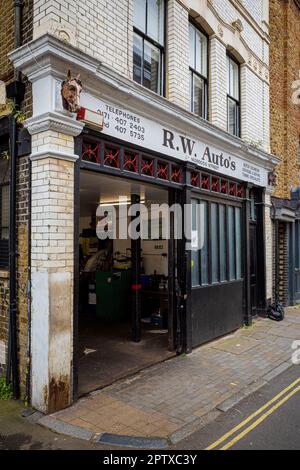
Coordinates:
[91,118]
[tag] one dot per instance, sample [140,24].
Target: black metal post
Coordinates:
[18,4]
[136,279]
[16,92]
[247,260]
[184,278]
[12,369]
[171,277]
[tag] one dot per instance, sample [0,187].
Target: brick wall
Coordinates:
[285,115]
[218,83]
[23,224]
[255,8]
[104,30]
[52,264]
[52,248]
[101,28]
[6,39]
[178,55]
[23,195]
[4,299]
[7,44]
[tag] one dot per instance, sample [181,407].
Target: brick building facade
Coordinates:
[285,137]
[7,76]
[98,39]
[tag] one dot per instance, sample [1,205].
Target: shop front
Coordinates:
[141,298]
[212,277]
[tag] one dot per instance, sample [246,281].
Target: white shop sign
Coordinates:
[151,135]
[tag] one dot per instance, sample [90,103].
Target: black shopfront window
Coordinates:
[148,44]
[198,71]
[233,96]
[218,257]
[4,213]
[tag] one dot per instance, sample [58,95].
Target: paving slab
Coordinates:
[172,399]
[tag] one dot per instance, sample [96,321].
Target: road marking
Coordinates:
[260,419]
[252,416]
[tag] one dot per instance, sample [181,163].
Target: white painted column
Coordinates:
[218,83]
[52,266]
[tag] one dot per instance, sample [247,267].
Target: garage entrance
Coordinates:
[109,345]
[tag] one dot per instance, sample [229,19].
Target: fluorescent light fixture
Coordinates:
[118,203]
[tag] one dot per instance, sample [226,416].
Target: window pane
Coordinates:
[231,236]
[139,15]
[155,20]
[233,79]
[238,242]
[234,92]
[233,117]
[253,208]
[222,230]
[4,222]
[201,53]
[152,64]
[228,76]
[198,93]
[204,250]
[192,45]
[214,243]
[195,252]
[137,58]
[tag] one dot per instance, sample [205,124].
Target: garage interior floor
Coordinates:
[106,352]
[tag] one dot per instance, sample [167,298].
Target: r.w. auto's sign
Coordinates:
[151,135]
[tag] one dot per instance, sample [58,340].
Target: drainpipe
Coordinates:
[16,92]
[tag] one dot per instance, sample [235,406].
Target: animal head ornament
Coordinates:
[70,92]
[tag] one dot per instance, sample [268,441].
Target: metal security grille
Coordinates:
[117,159]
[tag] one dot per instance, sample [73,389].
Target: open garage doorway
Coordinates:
[106,347]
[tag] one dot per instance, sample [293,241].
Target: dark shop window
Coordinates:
[218,256]
[148,44]
[4,213]
[253,206]
[198,71]
[233,96]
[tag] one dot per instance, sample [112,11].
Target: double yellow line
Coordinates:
[261,414]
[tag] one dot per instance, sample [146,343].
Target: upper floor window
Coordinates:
[198,71]
[148,44]
[233,96]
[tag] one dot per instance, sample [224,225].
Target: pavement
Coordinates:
[165,403]
[17,433]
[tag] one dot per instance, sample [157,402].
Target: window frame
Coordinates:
[193,72]
[237,102]
[162,50]
[227,203]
